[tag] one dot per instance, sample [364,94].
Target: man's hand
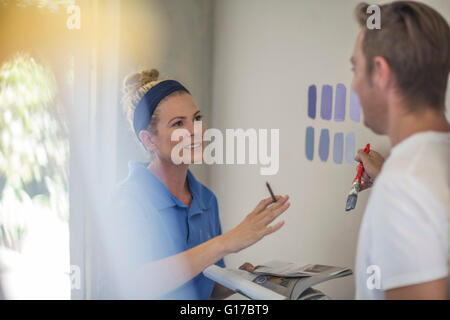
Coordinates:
[372,162]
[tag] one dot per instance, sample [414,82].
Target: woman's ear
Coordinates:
[147,138]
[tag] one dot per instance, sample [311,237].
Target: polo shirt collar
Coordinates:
[195,186]
[158,193]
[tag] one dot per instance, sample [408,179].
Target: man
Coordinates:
[400,74]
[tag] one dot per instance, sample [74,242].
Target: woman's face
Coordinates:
[179,112]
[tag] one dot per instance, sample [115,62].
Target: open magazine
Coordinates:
[278,280]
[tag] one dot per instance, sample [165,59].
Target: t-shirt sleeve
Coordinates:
[409,241]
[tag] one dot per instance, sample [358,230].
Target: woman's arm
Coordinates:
[157,278]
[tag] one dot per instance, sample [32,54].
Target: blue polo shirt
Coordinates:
[151,224]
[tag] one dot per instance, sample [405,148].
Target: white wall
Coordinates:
[266,54]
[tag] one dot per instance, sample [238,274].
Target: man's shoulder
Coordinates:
[405,196]
[422,163]
[420,153]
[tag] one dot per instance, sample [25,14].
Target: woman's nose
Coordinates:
[194,131]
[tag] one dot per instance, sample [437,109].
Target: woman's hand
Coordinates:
[256,225]
[372,162]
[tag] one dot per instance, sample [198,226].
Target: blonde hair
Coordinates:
[135,86]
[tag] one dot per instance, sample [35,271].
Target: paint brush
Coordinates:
[353,194]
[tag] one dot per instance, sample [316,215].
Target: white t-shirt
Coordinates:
[404,237]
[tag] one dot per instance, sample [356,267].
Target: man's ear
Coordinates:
[381,73]
[147,138]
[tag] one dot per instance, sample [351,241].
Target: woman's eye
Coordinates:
[178,124]
[198,118]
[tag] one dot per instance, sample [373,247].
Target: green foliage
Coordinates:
[33,144]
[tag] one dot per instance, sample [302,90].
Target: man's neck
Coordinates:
[404,124]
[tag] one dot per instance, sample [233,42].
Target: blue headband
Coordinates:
[147,105]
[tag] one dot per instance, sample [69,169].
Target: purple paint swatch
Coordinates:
[327,102]
[355,107]
[350,147]
[309,143]
[324,145]
[338,148]
[312,99]
[339,106]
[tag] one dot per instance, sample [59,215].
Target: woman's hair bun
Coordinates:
[135,81]
[149,76]
[135,86]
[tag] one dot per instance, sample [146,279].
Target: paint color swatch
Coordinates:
[309,143]
[343,144]
[324,145]
[312,100]
[350,147]
[338,148]
[326,102]
[355,107]
[339,104]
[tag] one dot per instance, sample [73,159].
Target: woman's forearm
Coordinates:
[157,278]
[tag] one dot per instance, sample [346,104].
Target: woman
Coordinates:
[165,226]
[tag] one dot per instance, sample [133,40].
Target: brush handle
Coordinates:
[361,166]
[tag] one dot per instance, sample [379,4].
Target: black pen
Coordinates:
[271,192]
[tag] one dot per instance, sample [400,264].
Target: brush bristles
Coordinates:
[351,202]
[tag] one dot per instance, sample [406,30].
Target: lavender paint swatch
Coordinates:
[324,145]
[338,148]
[327,102]
[355,107]
[309,143]
[350,147]
[312,100]
[339,105]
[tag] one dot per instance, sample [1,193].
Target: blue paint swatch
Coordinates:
[338,148]
[309,143]
[324,145]
[339,105]
[312,100]
[355,107]
[327,102]
[350,147]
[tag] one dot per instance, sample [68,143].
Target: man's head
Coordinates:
[408,58]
